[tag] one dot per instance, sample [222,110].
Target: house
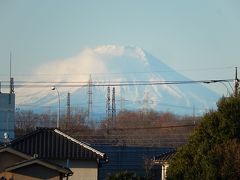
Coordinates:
[58,148]
[131,159]
[163,161]
[16,165]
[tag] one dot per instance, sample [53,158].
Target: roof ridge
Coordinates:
[55,132]
[37,130]
[79,142]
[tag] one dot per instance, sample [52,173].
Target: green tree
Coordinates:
[213,149]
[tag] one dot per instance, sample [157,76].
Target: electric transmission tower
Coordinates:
[108,107]
[122,101]
[146,103]
[68,109]
[113,107]
[89,113]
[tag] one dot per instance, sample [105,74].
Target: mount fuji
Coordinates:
[114,64]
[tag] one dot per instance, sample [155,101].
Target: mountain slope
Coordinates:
[113,63]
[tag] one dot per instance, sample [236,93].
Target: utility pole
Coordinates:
[236,83]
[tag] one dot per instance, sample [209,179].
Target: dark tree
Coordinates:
[213,150]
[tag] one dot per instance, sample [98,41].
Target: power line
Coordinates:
[122,73]
[113,83]
[23,82]
[153,127]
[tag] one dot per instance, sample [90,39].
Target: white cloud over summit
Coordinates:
[112,63]
[100,60]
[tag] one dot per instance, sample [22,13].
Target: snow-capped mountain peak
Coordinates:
[113,63]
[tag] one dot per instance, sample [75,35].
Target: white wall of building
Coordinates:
[82,169]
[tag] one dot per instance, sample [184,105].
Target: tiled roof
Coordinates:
[49,165]
[53,144]
[13,151]
[33,160]
[165,156]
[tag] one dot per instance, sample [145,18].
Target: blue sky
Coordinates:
[200,39]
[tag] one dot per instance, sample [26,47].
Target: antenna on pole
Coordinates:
[10,64]
[10,74]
